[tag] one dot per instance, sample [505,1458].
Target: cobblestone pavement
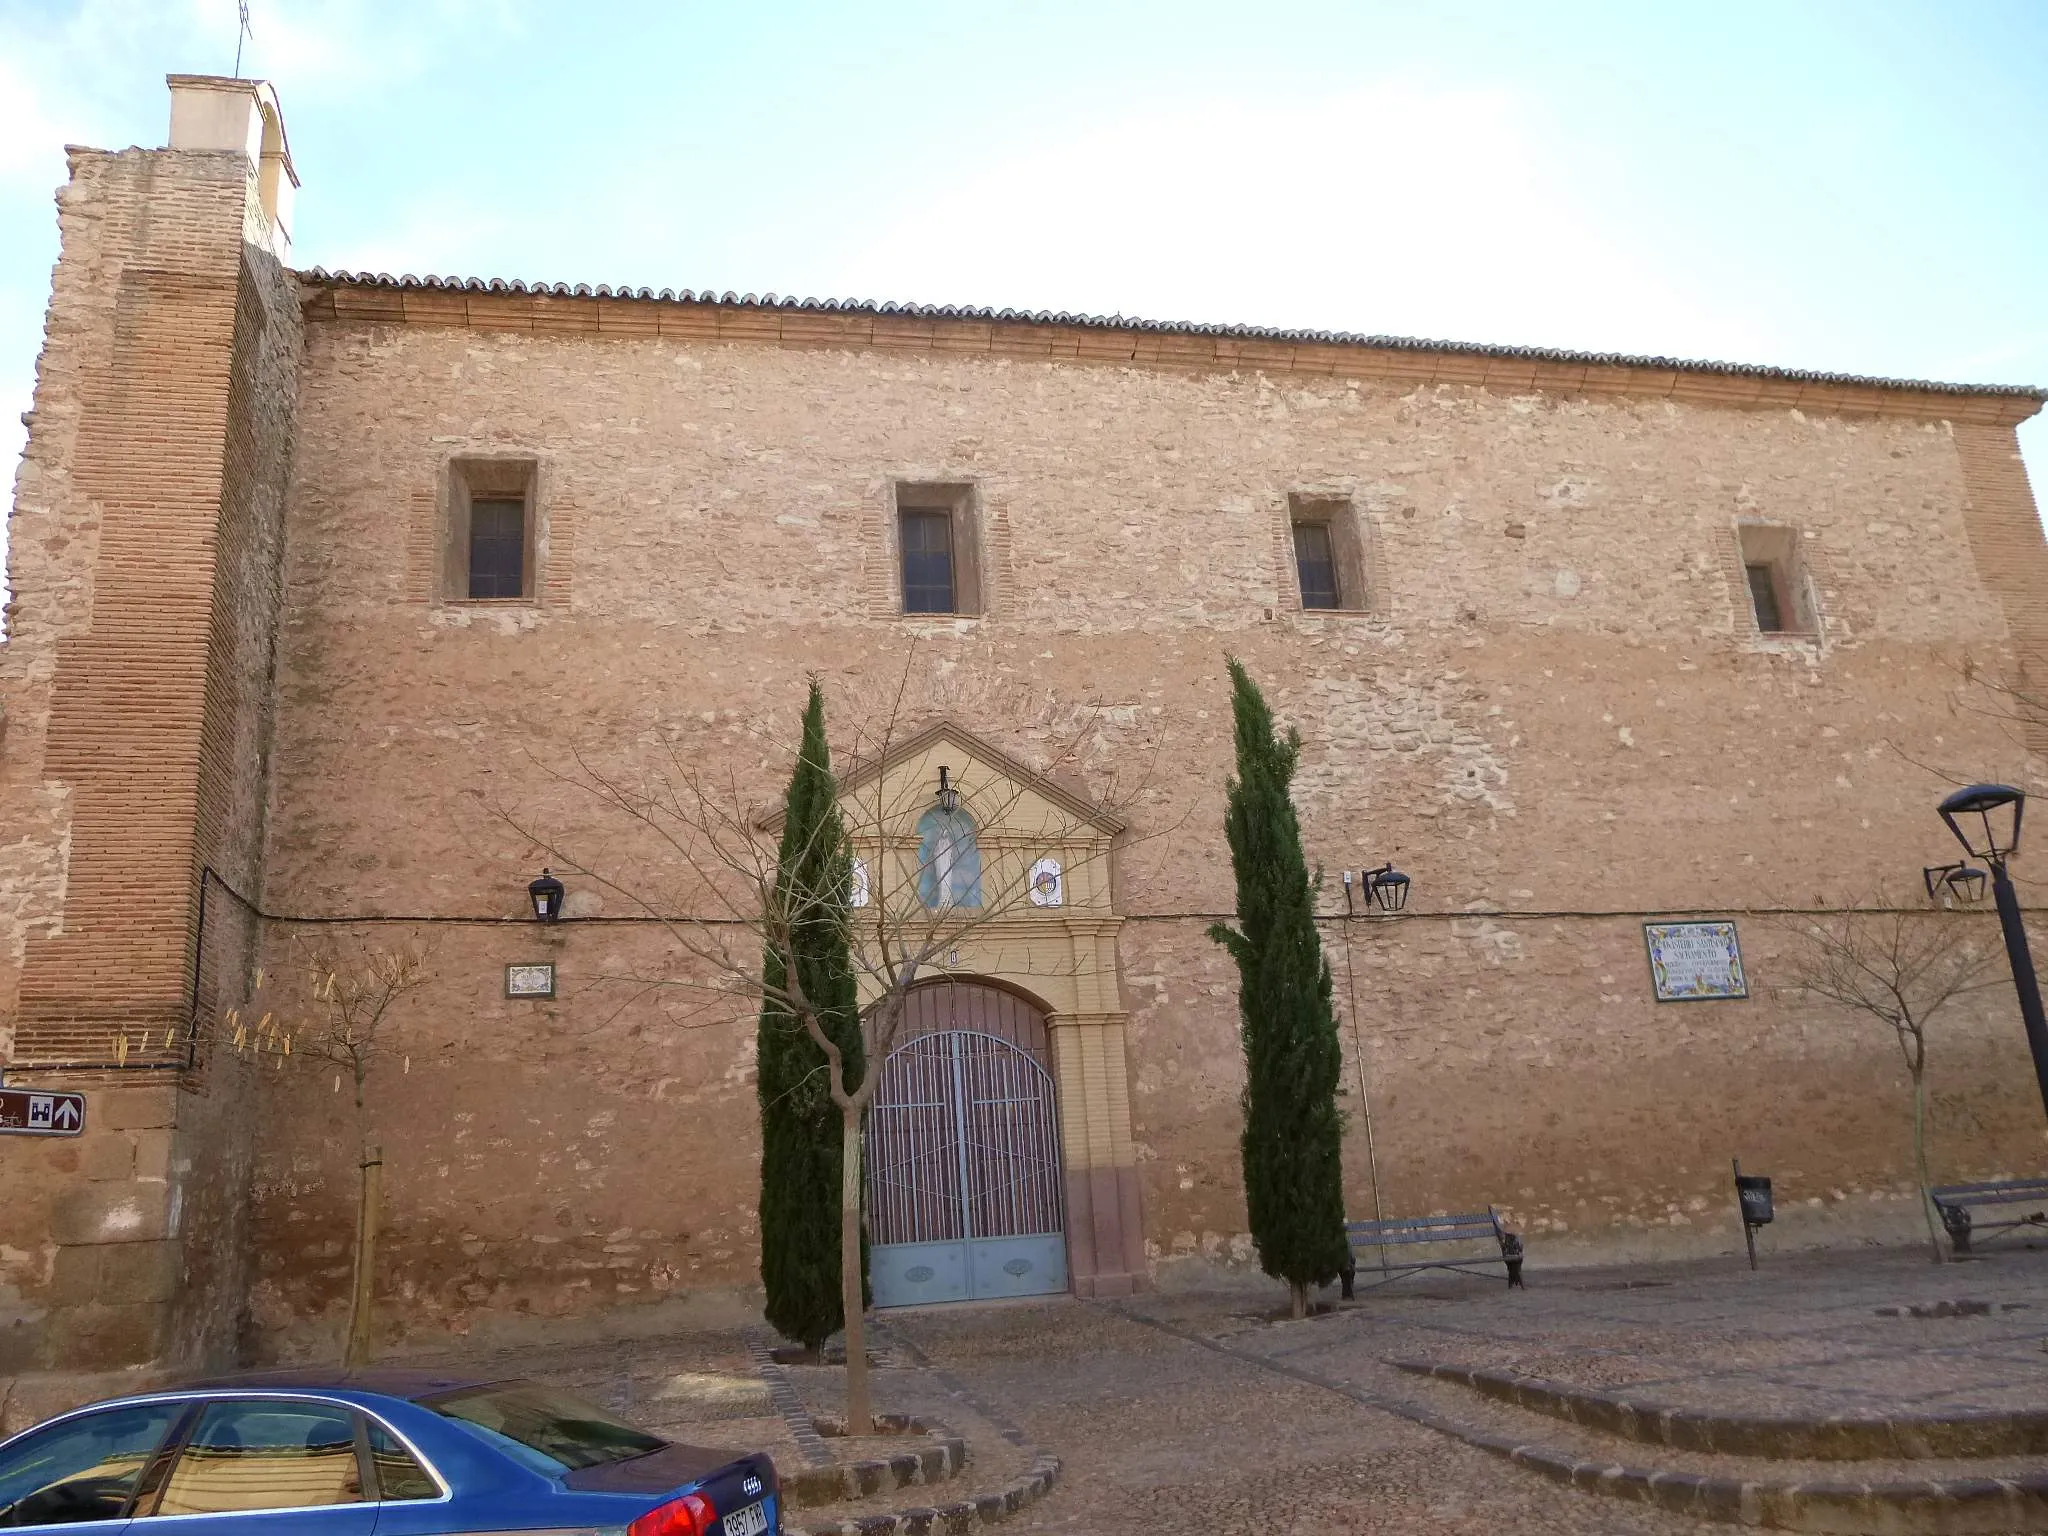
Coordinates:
[719,1389]
[1207,1412]
[1161,1434]
[1813,1334]
[1201,1412]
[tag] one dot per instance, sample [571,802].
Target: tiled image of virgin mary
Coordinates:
[948,859]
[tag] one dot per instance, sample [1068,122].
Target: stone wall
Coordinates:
[613,1161]
[1520,1064]
[1559,710]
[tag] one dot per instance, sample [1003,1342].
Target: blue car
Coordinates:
[373,1453]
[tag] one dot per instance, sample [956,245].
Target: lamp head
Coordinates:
[546,895]
[1985,819]
[948,796]
[1950,883]
[1390,889]
[1968,883]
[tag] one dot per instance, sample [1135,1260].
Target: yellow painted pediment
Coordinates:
[1031,834]
[1006,797]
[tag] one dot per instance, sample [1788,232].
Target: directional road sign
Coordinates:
[25,1112]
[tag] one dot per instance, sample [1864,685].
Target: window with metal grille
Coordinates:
[926,539]
[1315,561]
[497,548]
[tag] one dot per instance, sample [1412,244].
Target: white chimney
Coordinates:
[215,112]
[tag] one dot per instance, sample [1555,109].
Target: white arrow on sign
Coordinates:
[67,1114]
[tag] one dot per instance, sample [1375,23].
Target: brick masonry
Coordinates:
[145,544]
[1553,712]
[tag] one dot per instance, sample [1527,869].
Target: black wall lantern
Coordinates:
[1955,882]
[546,896]
[1385,885]
[948,796]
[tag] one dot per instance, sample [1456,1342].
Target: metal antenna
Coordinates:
[241,33]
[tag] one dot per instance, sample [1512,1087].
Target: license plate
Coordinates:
[750,1521]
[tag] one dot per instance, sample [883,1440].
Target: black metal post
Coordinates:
[2023,979]
[1748,1232]
[198,960]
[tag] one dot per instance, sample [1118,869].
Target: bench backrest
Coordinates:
[1471,1227]
[1994,1193]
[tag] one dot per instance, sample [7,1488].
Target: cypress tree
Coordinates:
[800,1125]
[1292,1145]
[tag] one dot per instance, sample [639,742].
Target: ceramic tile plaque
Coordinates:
[530,980]
[1695,962]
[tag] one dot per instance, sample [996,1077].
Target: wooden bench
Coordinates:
[1379,1237]
[1953,1201]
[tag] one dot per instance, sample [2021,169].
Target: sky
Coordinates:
[1857,187]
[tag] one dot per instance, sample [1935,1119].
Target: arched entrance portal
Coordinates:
[965,1185]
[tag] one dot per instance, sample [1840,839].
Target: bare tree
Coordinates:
[927,869]
[351,993]
[1901,967]
[2019,699]
[2013,698]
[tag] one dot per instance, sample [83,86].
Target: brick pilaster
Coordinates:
[2011,555]
[147,539]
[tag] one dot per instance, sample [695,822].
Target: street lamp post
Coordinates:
[1986,820]
[1388,887]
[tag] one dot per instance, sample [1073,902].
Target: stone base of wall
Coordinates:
[1892,1221]
[1866,1221]
[35,1396]
[99,1295]
[1107,1287]
[1106,1231]
[308,1340]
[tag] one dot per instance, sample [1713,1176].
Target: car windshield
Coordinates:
[564,1432]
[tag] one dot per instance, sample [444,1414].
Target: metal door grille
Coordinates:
[962,1143]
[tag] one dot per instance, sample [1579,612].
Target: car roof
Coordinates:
[361,1387]
[410,1383]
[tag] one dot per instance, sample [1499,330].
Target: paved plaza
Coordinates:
[1207,1411]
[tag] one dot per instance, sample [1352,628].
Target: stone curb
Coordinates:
[1955,1505]
[943,1459]
[790,1407]
[958,1518]
[1979,1433]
